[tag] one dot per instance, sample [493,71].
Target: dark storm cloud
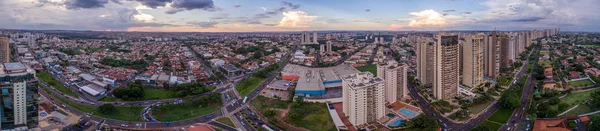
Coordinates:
[154,3]
[449,11]
[193,4]
[237,6]
[208,24]
[467,12]
[367,10]
[290,5]
[527,19]
[85,4]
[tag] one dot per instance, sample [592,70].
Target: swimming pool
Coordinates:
[397,123]
[407,112]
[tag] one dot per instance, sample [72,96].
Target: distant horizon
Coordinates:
[299,15]
[303,31]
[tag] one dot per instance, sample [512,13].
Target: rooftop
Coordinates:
[362,79]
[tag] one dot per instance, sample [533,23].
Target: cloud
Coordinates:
[467,12]
[154,3]
[449,11]
[527,19]
[237,6]
[85,4]
[290,5]
[296,19]
[207,24]
[427,18]
[263,8]
[367,10]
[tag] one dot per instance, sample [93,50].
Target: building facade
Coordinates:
[363,98]
[426,53]
[19,97]
[472,59]
[447,67]
[394,75]
[4,49]
[491,55]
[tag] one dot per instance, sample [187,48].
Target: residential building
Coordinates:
[394,75]
[329,48]
[19,97]
[363,97]
[491,55]
[426,52]
[315,37]
[472,59]
[4,49]
[446,67]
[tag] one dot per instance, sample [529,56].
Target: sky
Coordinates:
[299,15]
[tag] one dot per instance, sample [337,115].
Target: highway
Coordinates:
[429,111]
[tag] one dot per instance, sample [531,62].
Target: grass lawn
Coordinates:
[487,126]
[248,85]
[121,113]
[546,63]
[475,109]
[153,94]
[581,109]
[580,83]
[316,117]
[227,121]
[263,103]
[177,112]
[47,77]
[529,67]
[501,115]
[369,68]
[578,97]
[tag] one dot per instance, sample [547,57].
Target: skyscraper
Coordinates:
[394,75]
[426,52]
[322,49]
[491,55]
[504,51]
[19,97]
[315,37]
[447,67]
[363,97]
[472,58]
[329,48]
[4,49]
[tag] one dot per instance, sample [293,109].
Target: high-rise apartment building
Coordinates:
[426,52]
[4,49]
[491,55]
[447,67]
[394,75]
[315,37]
[472,59]
[363,97]
[504,51]
[322,48]
[329,47]
[19,97]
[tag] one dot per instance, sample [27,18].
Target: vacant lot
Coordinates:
[177,112]
[369,68]
[47,77]
[475,109]
[580,83]
[248,85]
[487,126]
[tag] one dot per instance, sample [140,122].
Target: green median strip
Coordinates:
[47,77]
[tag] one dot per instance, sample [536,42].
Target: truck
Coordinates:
[245,98]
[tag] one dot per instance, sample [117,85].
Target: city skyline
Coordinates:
[263,16]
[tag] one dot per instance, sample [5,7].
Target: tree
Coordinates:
[270,113]
[107,108]
[553,101]
[563,106]
[595,98]
[595,126]
[424,123]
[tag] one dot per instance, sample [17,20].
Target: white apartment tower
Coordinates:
[472,59]
[363,97]
[447,67]
[329,48]
[315,37]
[426,52]
[394,75]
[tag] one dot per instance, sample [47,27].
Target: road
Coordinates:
[451,126]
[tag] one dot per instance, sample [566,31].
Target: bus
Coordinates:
[245,98]
[267,128]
